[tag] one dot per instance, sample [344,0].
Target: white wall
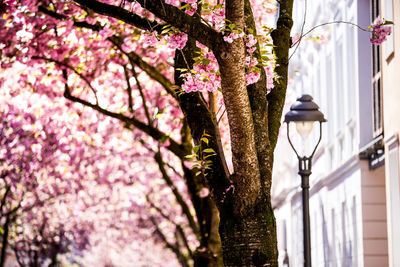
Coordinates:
[333,73]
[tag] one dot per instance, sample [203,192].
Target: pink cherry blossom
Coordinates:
[228,39]
[252,77]
[177,41]
[250,41]
[379,32]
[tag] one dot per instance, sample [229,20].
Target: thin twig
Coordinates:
[173,169]
[328,23]
[146,110]
[177,226]
[302,29]
[221,116]
[155,133]
[74,70]
[128,89]
[201,18]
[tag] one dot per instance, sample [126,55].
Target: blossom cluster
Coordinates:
[190,7]
[379,32]
[177,40]
[204,76]
[233,36]
[253,73]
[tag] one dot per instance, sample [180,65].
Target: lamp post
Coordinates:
[304,113]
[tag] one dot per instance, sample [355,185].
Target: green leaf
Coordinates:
[206,61]
[388,22]
[198,173]
[164,138]
[185,6]
[205,140]
[208,150]
[196,149]
[205,134]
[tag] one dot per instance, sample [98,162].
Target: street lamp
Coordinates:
[304,113]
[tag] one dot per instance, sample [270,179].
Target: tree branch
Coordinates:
[182,259]
[156,134]
[178,196]
[74,70]
[81,24]
[3,200]
[135,59]
[276,98]
[170,14]
[121,14]
[128,89]
[259,108]
[177,226]
[146,110]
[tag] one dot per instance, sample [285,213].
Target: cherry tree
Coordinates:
[173,72]
[27,158]
[62,187]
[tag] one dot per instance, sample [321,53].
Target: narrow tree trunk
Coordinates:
[4,241]
[54,253]
[200,119]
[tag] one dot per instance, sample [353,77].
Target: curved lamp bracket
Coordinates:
[315,148]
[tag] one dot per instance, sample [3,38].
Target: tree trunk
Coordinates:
[247,226]
[249,240]
[5,241]
[207,214]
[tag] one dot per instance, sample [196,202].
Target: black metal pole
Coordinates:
[305,172]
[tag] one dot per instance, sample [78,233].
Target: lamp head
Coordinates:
[304,113]
[304,110]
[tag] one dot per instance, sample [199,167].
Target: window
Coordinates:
[346,253]
[339,83]
[394,206]
[376,77]
[330,98]
[389,44]
[351,73]
[355,234]
[333,239]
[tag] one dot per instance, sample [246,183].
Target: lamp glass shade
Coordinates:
[304,128]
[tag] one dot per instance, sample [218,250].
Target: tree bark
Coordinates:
[200,119]
[246,178]
[249,240]
[4,242]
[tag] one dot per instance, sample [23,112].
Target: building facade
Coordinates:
[391,127]
[349,214]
